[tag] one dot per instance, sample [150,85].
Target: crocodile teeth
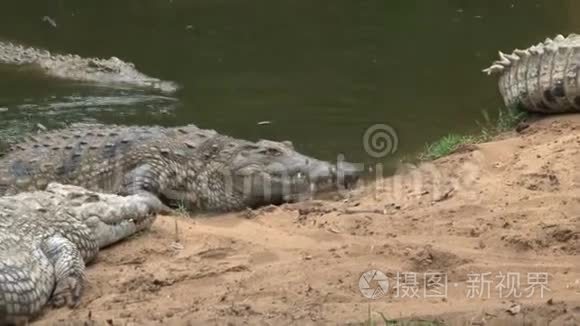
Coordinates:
[559,38]
[312,187]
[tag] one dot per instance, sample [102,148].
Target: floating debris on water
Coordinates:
[49,20]
[41,127]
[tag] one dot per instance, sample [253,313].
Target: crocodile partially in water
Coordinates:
[112,71]
[47,238]
[187,167]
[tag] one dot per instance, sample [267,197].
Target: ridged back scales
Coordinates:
[77,153]
[542,78]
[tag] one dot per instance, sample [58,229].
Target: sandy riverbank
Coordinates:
[512,205]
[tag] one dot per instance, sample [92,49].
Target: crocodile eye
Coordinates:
[271,152]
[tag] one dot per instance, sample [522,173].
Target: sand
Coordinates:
[447,235]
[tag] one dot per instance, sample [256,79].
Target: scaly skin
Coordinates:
[47,237]
[197,169]
[112,71]
[543,78]
[4,146]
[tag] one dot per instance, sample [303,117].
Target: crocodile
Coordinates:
[108,72]
[543,78]
[186,167]
[47,238]
[4,146]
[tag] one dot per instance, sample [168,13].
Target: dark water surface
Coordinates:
[320,71]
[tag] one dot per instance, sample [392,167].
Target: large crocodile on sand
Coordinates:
[186,167]
[112,71]
[47,237]
[542,78]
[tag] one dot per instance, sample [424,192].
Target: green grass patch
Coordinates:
[507,119]
[382,320]
[444,146]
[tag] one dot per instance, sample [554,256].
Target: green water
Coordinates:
[321,72]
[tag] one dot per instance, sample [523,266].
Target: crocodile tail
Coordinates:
[542,78]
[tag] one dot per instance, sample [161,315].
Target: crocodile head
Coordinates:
[109,218]
[115,70]
[269,172]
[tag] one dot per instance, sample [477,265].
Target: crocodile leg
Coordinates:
[148,179]
[69,268]
[26,283]
[48,237]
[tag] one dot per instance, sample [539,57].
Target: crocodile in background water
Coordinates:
[107,72]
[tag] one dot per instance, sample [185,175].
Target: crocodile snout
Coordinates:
[327,176]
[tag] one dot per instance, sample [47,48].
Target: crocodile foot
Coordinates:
[68,292]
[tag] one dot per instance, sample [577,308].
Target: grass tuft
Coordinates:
[444,146]
[182,210]
[507,119]
[393,322]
